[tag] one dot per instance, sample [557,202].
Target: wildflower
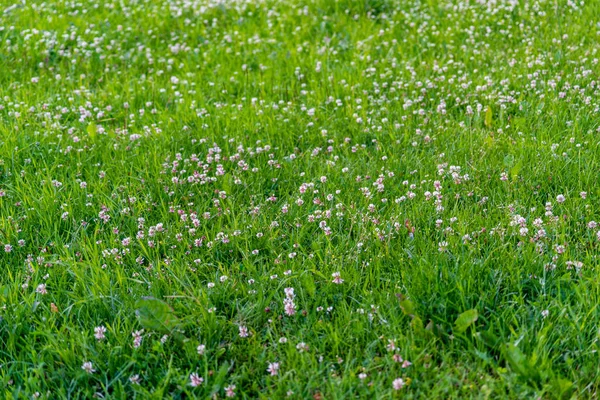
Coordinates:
[88,367]
[229,391]
[391,346]
[134,379]
[99,332]
[201,349]
[560,198]
[289,307]
[243,331]
[302,347]
[337,278]
[273,368]
[41,289]
[288,302]
[195,380]
[137,338]
[398,383]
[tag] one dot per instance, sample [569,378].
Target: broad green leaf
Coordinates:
[419,329]
[514,171]
[4,291]
[562,385]
[465,320]
[489,338]
[417,325]
[488,117]
[309,284]
[156,315]
[406,305]
[517,360]
[488,141]
[509,160]
[92,129]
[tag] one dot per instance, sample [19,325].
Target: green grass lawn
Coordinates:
[304,199]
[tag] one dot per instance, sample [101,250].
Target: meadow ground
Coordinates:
[308,199]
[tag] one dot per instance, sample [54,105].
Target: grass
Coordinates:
[421,174]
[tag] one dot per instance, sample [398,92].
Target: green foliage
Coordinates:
[156,315]
[465,320]
[305,199]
